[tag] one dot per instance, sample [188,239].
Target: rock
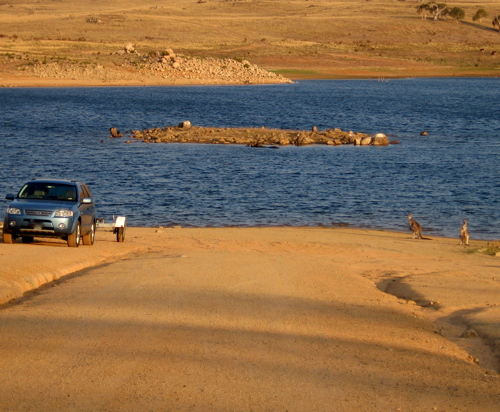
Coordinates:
[380,139]
[115,132]
[176,65]
[357,142]
[469,333]
[423,134]
[473,359]
[394,142]
[315,129]
[185,125]
[330,143]
[352,139]
[284,142]
[424,303]
[129,48]
[365,141]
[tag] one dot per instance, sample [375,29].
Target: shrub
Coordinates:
[493,247]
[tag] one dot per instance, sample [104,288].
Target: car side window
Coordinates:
[86,190]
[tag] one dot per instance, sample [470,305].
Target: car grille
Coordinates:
[38,212]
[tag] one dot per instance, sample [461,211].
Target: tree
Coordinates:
[436,9]
[496,22]
[422,11]
[457,13]
[480,15]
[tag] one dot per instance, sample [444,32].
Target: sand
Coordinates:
[248,319]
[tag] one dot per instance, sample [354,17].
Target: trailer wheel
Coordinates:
[120,234]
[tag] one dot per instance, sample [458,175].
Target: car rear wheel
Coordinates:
[8,238]
[88,239]
[27,239]
[74,238]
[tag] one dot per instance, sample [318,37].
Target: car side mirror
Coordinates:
[87,200]
[10,197]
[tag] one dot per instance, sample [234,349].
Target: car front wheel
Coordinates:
[74,238]
[8,238]
[88,239]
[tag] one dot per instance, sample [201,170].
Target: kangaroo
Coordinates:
[416,228]
[464,234]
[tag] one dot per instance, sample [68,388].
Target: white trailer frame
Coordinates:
[117,227]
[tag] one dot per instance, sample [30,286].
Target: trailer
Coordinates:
[117,227]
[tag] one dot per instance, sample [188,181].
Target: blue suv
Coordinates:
[51,208]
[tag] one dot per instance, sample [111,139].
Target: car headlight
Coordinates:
[13,211]
[63,213]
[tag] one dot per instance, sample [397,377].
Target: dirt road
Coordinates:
[264,319]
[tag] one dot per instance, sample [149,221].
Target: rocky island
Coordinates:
[184,132]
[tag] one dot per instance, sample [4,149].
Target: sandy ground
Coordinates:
[254,319]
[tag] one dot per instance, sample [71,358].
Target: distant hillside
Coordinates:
[296,38]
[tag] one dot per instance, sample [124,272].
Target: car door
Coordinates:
[87,211]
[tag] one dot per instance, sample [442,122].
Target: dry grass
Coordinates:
[300,38]
[493,247]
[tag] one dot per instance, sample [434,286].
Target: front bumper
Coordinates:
[20,225]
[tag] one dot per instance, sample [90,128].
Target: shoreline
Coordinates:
[36,82]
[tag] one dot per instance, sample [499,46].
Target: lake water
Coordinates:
[451,174]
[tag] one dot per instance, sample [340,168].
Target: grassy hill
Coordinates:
[297,38]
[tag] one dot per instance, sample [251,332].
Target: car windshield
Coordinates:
[48,191]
